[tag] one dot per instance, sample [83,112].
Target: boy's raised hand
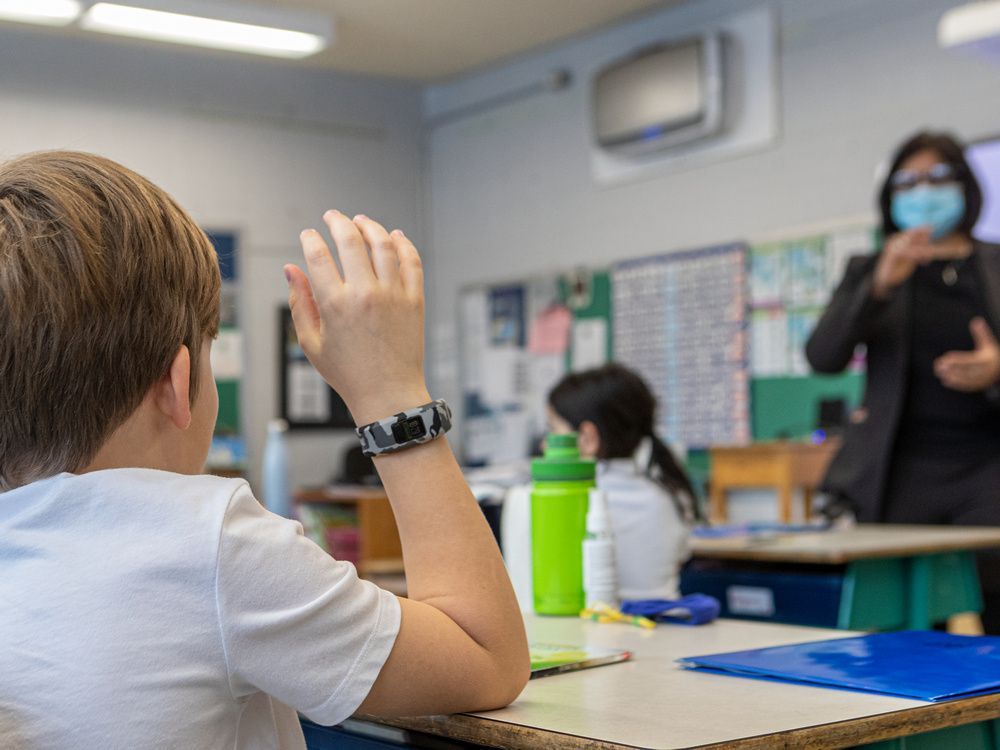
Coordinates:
[362,328]
[461,636]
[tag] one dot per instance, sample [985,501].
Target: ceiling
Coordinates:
[431,40]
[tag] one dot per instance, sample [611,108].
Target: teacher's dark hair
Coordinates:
[951,151]
[623,410]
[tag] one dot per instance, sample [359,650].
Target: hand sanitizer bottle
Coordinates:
[600,579]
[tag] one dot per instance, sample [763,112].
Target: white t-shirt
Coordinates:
[651,538]
[143,609]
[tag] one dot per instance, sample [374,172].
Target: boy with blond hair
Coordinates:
[148,605]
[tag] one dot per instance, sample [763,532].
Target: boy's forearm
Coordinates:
[451,558]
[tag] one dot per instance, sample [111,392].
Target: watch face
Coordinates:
[409,429]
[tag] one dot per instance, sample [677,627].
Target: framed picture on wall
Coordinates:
[306,401]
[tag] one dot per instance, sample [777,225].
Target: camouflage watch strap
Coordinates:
[406,429]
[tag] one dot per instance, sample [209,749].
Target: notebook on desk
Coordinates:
[549,658]
[927,666]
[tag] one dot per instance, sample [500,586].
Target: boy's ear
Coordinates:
[173,389]
[589,439]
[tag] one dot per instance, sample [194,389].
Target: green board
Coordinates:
[786,407]
[599,303]
[228,421]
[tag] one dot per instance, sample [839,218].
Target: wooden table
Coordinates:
[782,464]
[651,703]
[894,576]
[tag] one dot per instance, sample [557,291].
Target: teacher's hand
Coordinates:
[902,253]
[971,371]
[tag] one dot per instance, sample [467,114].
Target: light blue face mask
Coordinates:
[940,207]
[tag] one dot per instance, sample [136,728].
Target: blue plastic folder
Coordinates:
[927,666]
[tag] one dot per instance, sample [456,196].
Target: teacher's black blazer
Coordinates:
[859,471]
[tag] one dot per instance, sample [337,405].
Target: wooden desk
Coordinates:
[863,542]
[894,576]
[651,703]
[784,465]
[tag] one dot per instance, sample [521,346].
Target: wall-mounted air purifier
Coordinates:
[660,96]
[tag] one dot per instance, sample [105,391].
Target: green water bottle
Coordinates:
[561,481]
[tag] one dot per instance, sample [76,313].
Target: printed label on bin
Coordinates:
[755,601]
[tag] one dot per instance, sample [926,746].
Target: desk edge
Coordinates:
[832,736]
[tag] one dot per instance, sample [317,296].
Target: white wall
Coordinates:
[257,147]
[512,192]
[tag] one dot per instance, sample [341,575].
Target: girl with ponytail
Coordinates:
[650,498]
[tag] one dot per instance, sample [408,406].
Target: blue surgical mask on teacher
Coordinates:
[940,207]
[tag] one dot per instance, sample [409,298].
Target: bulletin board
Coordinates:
[305,400]
[517,341]
[228,451]
[790,283]
[725,361]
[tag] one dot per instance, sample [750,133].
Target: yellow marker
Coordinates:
[603,613]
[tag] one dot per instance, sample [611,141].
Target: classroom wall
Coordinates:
[264,148]
[512,193]
[257,147]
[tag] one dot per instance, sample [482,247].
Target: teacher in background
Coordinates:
[924,447]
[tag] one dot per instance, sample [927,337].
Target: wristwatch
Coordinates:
[406,429]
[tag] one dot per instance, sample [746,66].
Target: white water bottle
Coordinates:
[600,576]
[274,474]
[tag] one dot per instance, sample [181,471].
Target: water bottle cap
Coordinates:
[277,425]
[562,462]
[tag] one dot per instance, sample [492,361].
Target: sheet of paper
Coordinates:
[590,344]
[501,375]
[500,437]
[766,274]
[308,394]
[480,436]
[227,355]
[550,331]
[769,354]
[545,370]
[800,326]
[514,438]
[805,272]
[506,306]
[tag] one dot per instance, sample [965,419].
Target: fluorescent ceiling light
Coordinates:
[48,12]
[973,27]
[227,26]
[969,23]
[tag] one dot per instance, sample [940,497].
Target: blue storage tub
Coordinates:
[799,594]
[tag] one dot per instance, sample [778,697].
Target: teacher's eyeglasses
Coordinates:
[907,179]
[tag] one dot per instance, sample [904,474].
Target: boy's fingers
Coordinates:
[305,313]
[322,269]
[411,268]
[351,248]
[385,258]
